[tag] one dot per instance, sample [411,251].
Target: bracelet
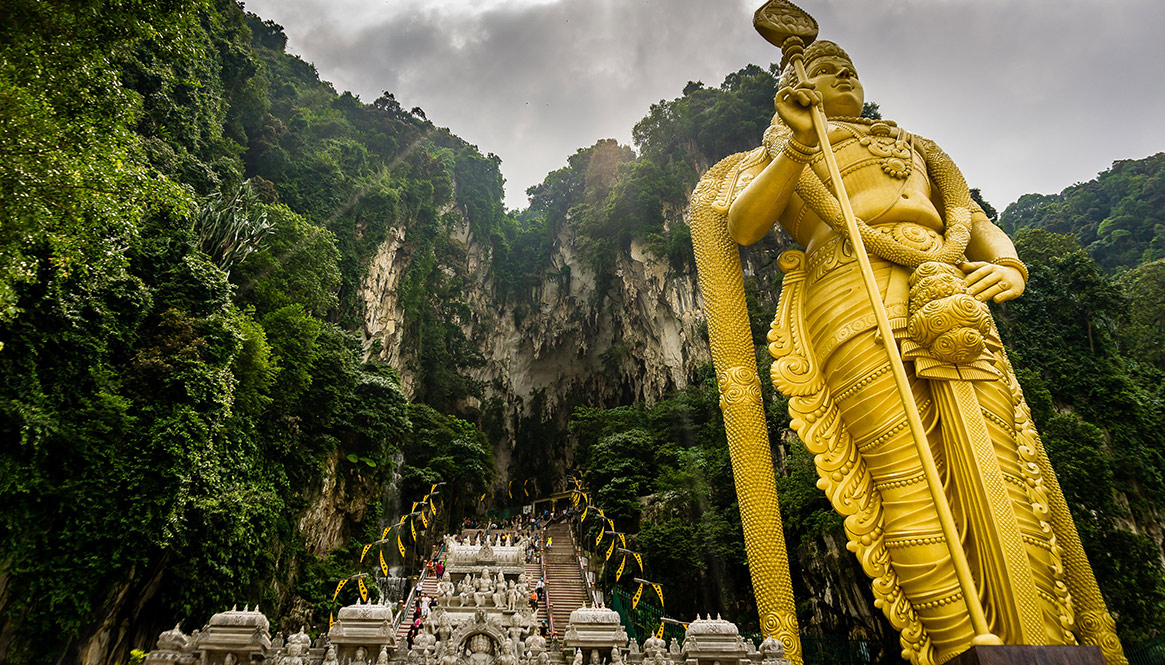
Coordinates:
[798,152]
[1012,262]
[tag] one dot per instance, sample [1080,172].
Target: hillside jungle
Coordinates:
[192,414]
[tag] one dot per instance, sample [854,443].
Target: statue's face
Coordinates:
[837,81]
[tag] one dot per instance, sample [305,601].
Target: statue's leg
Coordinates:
[1094,625]
[982,486]
[857,373]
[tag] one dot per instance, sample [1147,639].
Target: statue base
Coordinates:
[1022,654]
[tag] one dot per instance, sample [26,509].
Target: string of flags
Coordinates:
[428,504]
[579,497]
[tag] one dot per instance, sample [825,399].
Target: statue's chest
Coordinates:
[886,150]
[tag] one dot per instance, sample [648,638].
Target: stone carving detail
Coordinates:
[655,651]
[173,639]
[233,636]
[598,630]
[296,649]
[710,641]
[773,652]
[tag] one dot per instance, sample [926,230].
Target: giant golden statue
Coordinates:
[897,380]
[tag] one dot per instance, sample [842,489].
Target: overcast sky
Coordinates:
[1025,95]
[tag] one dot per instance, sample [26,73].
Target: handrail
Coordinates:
[546,586]
[587,584]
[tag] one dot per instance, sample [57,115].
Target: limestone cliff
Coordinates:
[572,339]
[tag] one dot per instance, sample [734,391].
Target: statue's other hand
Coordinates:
[794,105]
[988,281]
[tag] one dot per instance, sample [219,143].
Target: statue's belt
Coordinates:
[838,251]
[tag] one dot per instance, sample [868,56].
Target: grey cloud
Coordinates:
[1027,96]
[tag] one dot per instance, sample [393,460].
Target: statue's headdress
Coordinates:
[821,48]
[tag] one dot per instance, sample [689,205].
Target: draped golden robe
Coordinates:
[1029,569]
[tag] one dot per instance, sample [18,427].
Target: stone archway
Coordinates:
[464,638]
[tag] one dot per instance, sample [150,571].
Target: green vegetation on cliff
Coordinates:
[1118,217]
[188,211]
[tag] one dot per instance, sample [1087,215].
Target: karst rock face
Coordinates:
[575,338]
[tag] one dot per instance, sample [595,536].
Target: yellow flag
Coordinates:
[610,523]
[331,620]
[482,497]
[658,592]
[338,587]
[619,573]
[623,540]
[574,498]
[385,534]
[659,633]
[599,538]
[637,596]
[510,489]
[414,508]
[423,520]
[584,515]
[610,549]
[383,565]
[365,551]
[413,526]
[638,561]
[400,545]
[363,590]
[434,487]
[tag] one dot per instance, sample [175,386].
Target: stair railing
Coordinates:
[546,586]
[582,570]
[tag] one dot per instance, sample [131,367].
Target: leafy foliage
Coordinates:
[172,380]
[688,530]
[1117,217]
[231,229]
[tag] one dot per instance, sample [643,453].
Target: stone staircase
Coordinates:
[430,590]
[565,587]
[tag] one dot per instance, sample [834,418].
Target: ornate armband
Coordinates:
[1012,262]
[799,152]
